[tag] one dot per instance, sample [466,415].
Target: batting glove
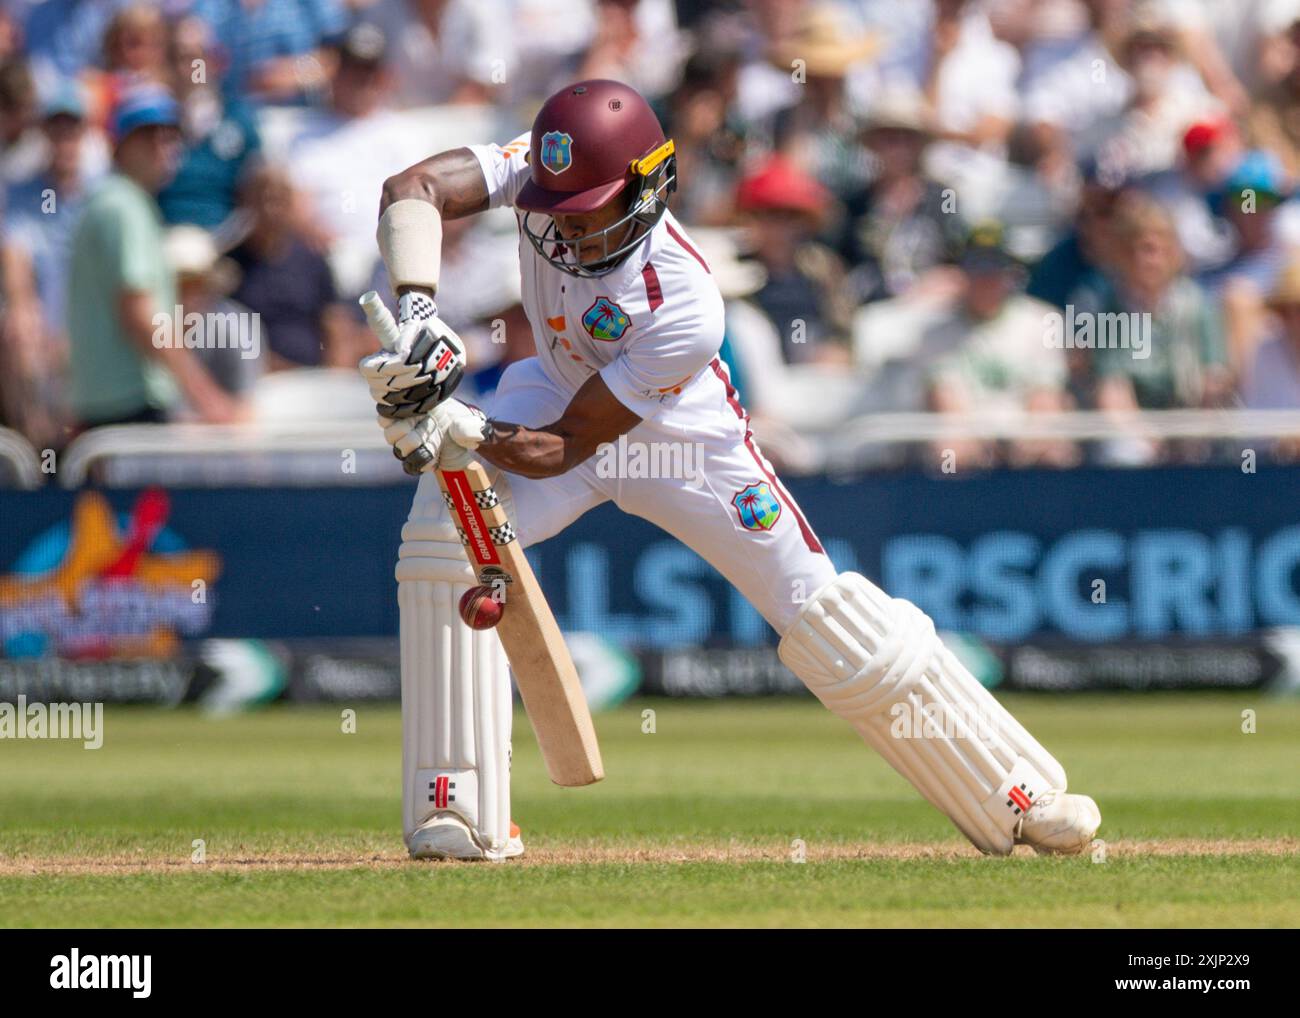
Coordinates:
[416,441]
[462,423]
[426,367]
[420,441]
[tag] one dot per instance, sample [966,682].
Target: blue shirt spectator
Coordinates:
[45,238]
[41,211]
[67,36]
[204,188]
[255,38]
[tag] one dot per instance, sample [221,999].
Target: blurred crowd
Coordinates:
[1011,206]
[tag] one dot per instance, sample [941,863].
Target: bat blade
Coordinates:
[543,668]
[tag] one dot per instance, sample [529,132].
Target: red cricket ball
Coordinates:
[480,609]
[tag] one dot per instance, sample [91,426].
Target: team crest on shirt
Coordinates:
[605,320]
[557,151]
[757,507]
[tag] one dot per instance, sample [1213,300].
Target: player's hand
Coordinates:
[416,441]
[420,442]
[426,367]
[462,423]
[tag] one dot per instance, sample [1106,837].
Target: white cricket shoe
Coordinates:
[1059,823]
[446,836]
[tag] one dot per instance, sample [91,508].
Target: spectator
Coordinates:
[1272,380]
[40,216]
[220,134]
[277,50]
[135,46]
[134,52]
[203,280]
[1146,135]
[1077,259]
[1182,359]
[1274,120]
[10,35]
[707,137]
[1074,98]
[635,41]
[903,223]
[446,51]
[120,283]
[1211,151]
[818,131]
[549,38]
[784,209]
[1249,201]
[987,353]
[65,38]
[763,88]
[21,145]
[342,155]
[287,283]
[969,81]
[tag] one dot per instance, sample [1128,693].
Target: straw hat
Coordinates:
[900,109]
[1150,23]
[826,42]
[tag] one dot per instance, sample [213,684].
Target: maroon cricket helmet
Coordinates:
[591,142]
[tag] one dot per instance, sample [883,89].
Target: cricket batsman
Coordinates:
[628,323]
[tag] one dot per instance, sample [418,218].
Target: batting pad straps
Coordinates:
[410,241]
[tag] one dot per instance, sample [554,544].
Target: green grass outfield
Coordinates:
[698,823]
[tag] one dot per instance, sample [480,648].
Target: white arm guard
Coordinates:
[410,241]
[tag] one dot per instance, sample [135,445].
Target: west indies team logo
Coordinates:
[605,320]
[105,585]
[557,151]
[757,507]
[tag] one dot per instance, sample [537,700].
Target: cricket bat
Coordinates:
[539,660]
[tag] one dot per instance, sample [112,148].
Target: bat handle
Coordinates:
[454,457]
[381,320]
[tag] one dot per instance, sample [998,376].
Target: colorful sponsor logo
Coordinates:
[106,585]
[605,320]
[557,151]
[757,507]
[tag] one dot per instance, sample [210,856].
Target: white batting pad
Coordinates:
[877,662]
[456,706]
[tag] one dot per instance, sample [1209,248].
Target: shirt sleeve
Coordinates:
[651,371]
[505,168]
[130,242]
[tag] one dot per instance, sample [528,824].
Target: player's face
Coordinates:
[596,248]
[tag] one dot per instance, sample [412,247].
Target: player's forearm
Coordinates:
[135,309]
[451,181]
[533,452]
[593,417]
[411,210]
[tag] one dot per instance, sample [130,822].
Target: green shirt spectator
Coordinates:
[118,246]
[1183,341]
[125,364]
